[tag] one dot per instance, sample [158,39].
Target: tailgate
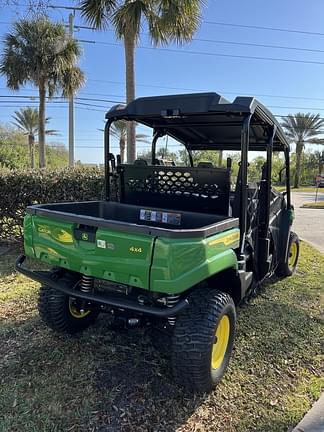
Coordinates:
[99,252]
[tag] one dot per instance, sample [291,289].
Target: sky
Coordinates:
[288,81]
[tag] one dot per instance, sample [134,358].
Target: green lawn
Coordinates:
[314,205]
[111,381]
[300,189]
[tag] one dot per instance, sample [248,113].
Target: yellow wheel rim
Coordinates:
[221,341]
[75,311]
[292,255]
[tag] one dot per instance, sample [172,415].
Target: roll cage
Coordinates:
[207,121]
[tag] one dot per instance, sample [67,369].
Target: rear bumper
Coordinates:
[43,278]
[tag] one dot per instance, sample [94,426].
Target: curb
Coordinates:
[319,248]
[314,419]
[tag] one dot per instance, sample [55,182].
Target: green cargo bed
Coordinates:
[158,249]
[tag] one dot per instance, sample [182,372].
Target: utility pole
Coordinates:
[71,27]
[71,105]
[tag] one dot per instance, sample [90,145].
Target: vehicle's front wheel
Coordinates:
[63,313]
[203,340]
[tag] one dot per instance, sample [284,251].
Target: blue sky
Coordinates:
[284,87]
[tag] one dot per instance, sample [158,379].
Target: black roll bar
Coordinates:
[245,138]
[288,197]
[107,158]
[272,131]
[156,136]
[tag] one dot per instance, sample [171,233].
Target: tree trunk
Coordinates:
[122,146]
[220,158]
[129,43]
[31,143]
[299,152]
[41,125]
[320,163]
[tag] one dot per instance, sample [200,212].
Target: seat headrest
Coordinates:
[140,162]
[205,165]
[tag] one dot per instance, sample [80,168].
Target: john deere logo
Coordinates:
[85,236]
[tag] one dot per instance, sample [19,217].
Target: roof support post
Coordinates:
[107,158]
[263,230]
[156,136]
[245,138]
[288,197]
[190,156]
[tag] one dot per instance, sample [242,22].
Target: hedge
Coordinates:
[18,189]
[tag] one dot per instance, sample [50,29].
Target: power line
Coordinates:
[212,54]
[93,106]
[278,29]
[248,94]
[283,47]
[81,92]
[217,23]
[238,93]
[50,100]
[223,42]
[123,102]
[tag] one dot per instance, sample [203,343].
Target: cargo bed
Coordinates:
[136,219]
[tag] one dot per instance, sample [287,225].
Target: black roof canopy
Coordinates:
[204,120]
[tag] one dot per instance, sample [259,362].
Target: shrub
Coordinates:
[18,189]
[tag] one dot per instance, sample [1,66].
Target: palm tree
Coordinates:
[41,52]
[167,21]
[27,120]
[302,129]
[119,131]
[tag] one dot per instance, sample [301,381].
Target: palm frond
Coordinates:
[303,127]
[119,130]
[27,120]
[176,21]
[41,50]
[52,132]
[127,18]
[71,81]
[142,138]
[98,13]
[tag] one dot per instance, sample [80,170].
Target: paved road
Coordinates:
[309,223]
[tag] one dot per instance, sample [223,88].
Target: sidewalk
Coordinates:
[314,419]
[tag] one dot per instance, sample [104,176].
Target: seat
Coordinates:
[140,162]
[205,164]
[158,162]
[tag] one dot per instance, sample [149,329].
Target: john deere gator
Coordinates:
[174,247]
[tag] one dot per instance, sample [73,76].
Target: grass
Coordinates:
[109,381]
[300,189]
[314,205]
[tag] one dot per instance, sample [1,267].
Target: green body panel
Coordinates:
[162,264]
[127,258]
[181,264]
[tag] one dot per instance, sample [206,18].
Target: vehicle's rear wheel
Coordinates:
[203,340]
[289,267]
[63,313]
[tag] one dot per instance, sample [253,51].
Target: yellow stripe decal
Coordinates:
[227,240]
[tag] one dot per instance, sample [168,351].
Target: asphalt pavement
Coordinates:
[309,223]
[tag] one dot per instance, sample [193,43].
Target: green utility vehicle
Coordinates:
[173,247]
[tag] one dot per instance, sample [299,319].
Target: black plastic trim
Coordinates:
[96,298]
